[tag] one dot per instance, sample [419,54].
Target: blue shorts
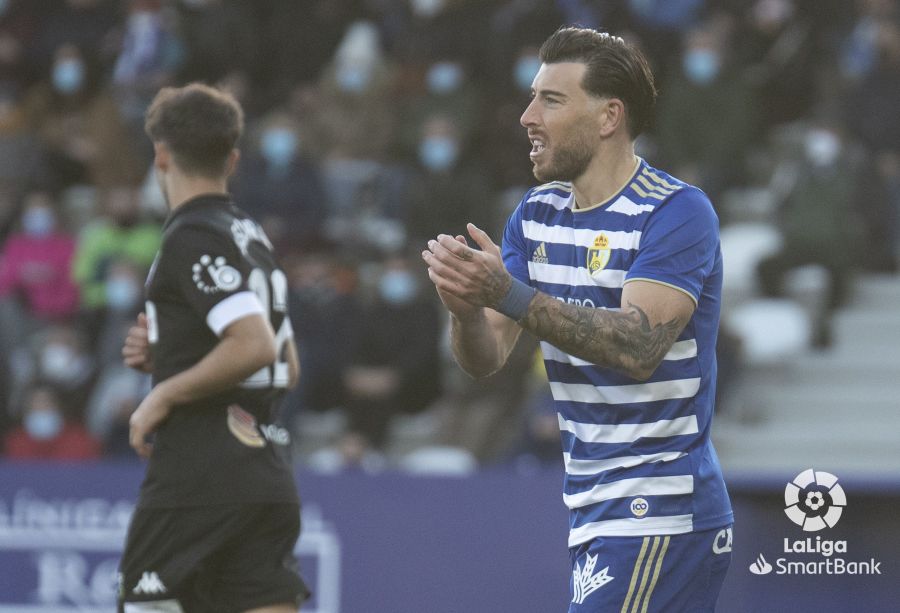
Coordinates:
[679,573]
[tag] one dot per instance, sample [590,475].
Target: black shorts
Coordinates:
[216,559]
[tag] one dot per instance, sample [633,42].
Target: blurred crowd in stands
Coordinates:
[373,125]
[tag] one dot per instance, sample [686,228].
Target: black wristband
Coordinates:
[515,304]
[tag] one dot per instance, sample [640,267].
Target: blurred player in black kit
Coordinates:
[218,513]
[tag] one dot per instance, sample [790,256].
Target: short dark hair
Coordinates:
[614,69]
[198,123]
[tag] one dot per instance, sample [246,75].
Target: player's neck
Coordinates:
[611,168]
[182,188]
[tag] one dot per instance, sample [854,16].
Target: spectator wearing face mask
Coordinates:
[503,139]
[396,366]
[447,89]
[708,115]
[121,233]
[449,187]
[63,359]
[280,184]
[79,126]
[816,222]
[46,433]
[357,90]
[35,265]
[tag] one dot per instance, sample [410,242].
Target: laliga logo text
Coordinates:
[814,501]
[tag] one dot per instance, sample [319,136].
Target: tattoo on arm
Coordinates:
[623,340]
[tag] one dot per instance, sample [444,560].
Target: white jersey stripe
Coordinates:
[625,488]
[560,185]
[622,394]
[625,206]
[628,433]
[681,350]
[554,200]
[233,308]
[632,526]
[576,277]
[618,239]
[593,467]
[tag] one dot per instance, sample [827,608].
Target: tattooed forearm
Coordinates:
[623,340]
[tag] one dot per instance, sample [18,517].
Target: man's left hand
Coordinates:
[478,277]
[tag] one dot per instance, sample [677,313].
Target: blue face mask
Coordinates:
[68,76]
[444,77]
[353,79]
[438,153]
[278,146]
[38,222]
[397,287]
[525,71]
[43,424]
[702,65]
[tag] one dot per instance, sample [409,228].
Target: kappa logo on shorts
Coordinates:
[150,583]
[585,582]
[224,278]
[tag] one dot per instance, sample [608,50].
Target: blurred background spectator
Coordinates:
[373,125]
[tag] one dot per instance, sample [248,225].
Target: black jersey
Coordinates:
[215,266]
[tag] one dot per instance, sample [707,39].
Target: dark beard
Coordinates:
[569,161]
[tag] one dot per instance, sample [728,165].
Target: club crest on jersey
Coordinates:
[243,426]
[218,277]
[598,254]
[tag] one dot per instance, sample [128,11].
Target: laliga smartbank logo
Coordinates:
[814,500]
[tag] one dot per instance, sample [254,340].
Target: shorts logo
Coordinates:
[639,507]
[585,582]
[722,542]
[150,583]
[243,426]
[598,254]
[814,500]
[224,278]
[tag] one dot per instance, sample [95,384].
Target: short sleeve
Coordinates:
[513,248]
[679,244]
[209,273]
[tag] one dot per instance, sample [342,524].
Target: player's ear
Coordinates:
[162,157]
[612,117]
[232,162]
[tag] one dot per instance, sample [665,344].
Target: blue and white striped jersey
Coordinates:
[638,455]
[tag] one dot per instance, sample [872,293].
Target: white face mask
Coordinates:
[62,364]
[822,147]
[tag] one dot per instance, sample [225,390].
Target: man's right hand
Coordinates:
[136,351]
[458,307]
